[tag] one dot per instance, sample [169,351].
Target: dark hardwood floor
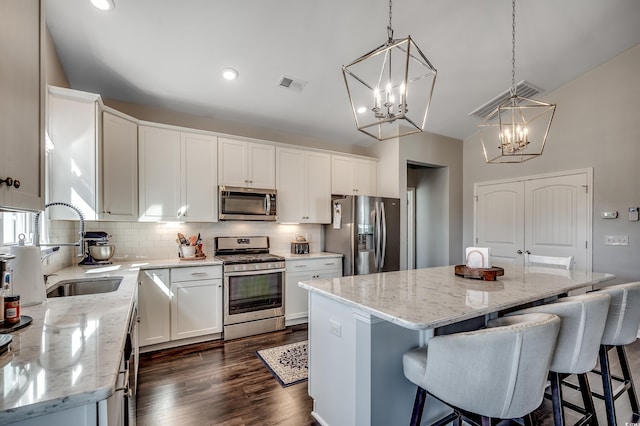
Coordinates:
[220,384]
[226,384]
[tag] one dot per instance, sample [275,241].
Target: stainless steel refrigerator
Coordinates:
[366,231]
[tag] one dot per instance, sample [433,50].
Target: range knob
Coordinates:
[269,266]
[244,267]
[256,266]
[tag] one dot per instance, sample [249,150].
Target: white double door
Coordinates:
[549,216]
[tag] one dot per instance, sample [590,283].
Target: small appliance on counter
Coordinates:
[300,246]
[97,249]
[27,278]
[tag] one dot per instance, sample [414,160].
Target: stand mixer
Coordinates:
[97,249]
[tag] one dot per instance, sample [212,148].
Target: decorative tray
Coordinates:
[486,274]
[25,320]
[194,258]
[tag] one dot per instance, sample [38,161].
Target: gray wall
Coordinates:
[431,150]
[432,190]
[597,124]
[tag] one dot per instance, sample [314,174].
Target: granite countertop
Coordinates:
[316,255]
[70,355]
[434,297]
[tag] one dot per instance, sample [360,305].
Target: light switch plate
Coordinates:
[616,240]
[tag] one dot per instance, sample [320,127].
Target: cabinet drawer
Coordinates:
[196,273]
[302,265]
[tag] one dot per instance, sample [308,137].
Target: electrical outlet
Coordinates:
[335,328]
[616,240]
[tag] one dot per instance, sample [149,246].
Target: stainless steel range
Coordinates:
[253,286]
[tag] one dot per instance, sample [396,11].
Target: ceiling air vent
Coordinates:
[291,83]
[524,89]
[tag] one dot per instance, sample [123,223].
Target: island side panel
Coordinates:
[332,343]
[355,367]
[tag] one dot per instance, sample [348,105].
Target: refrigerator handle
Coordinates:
[376,236]
[383,245]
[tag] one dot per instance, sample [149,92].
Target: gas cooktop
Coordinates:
[231,250]
[248,258]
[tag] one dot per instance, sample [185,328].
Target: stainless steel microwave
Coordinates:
[238,203]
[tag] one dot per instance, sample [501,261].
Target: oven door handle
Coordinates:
[252,272]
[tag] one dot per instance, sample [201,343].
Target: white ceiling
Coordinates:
[170,53]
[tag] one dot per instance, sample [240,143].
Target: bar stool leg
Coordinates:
[626,374]
[418,407]
[556,398]
[587,399]
[607,386]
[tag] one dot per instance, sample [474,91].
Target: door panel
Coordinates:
[499,221]
[543,216]
[556,212]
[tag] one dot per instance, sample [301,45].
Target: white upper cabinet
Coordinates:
[353,175]
[177,175]
[119,168]
[199,193]
[93,161]
[159,173]
[73,129]
[304,186]
[22,105]
[246,164]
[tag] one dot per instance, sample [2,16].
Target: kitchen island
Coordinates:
[360,326]
[64,366]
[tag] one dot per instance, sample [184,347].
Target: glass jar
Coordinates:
[11,309]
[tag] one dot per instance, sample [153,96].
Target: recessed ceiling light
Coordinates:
[362,110]
[229,74]
[103,4]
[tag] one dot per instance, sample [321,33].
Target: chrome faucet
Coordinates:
[36,232]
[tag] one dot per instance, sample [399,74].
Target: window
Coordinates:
[14,224]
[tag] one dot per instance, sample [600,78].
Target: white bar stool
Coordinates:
[583,322]
[621,329]
[492,373]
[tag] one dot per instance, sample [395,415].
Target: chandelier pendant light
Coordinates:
[519,126]
[390,88]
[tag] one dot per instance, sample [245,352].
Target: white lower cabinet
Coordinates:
[154,295]
[179,303]
[296,298]
[196,301]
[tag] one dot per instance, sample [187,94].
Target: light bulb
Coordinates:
[103,4]
[229,74]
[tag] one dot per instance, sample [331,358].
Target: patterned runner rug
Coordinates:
[288,363]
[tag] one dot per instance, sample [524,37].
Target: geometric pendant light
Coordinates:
[390,88]
[519,126]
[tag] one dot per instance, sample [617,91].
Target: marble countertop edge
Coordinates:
[384,311]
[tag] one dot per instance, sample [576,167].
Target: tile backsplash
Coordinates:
[145,241]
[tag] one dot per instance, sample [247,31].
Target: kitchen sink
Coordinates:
[84,286]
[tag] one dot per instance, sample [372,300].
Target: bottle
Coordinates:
[2,293]
[11,309]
